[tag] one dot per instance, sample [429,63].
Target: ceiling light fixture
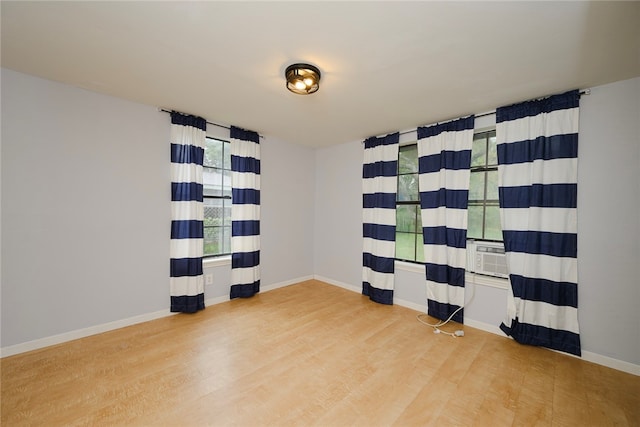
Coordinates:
[303,79]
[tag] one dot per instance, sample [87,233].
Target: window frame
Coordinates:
[485,169]
[410,142]
[417,220]
[225,228]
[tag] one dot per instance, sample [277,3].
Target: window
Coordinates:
[216,181]
[409,246]
[483,210]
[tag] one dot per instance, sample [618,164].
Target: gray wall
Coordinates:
[86,211]
[608,226]
[609,220]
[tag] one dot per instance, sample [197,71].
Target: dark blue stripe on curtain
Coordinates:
[556,339]
[246,290]
[381,296]
[243,134]
[245,259]
[541,148]
[376,263]
[454,199]
[542,243]
[186,191]
[245,164]
[442,311]
[372,170]
[188,120]
[373,141]
[187,303]
[452,160]
[539,195]
[452,237]
[245,228]
[556,293]
[180,267]
[379,231]
[186,154]
[245,196]
[562,101]
[445,274]
[452,126]
[187,229]
[379,200]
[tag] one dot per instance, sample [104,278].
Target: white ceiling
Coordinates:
[386,66]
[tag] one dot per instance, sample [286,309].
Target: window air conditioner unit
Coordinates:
[487,258]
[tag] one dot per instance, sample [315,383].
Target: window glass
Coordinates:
[216,180]
[408,225]
[483,212]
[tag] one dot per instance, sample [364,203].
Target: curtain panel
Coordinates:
[537,144]
[245,213]
[187,213]
[379,188]
[444,161]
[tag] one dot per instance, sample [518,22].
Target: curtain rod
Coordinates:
[489,113]
[208,122]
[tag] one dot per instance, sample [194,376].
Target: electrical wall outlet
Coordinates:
[208,279]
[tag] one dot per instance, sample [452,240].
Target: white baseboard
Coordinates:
[338,284]
[81,333]
[285,283]
[610,362]
[117,324]
[356,289]
[598,359]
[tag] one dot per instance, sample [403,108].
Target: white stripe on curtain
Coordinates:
[246,179]
[245,242]
[564,221]
[385,216]
[375,246]
[379,188]
[537,144]
[382,184]
[187,248]
[552,268]
[186,282]
[444,160]
[518,175]
[245,213]
[187,210]
[185,285]
[453,179]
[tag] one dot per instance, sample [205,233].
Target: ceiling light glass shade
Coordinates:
[303,79]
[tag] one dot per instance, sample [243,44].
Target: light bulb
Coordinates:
[300,85]
[308,81]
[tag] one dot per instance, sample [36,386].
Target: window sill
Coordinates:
[482,280]
[410,266]
[478,279]
[216,261]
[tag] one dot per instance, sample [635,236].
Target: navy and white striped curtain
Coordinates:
[537,143]
[444,161]
[187,213]
[379,188]
[245,213]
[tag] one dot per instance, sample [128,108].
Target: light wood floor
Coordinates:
[308,354]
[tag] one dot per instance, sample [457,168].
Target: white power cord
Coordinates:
[436,327]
